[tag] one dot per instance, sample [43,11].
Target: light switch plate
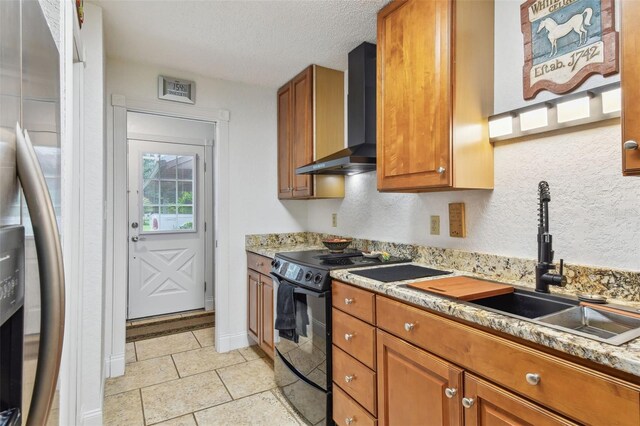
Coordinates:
[435,225]
[457,226]
[334,220]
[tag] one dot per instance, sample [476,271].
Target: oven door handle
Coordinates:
[300,290]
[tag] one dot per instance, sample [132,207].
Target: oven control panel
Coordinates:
[303,276]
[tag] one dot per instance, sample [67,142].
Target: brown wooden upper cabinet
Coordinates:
[630,82]
[435,93]
[310,126]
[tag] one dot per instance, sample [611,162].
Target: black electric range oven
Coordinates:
[303,365]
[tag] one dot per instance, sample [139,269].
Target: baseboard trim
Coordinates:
[230,342]
[91,418]
[115,365]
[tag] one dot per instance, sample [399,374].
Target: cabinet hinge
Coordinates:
[205,286]
[205,166]
[205,227]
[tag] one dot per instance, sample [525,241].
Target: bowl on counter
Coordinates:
[337,244]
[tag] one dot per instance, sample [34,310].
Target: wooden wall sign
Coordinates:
[566,41]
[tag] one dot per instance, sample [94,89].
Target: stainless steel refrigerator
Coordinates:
[31,273]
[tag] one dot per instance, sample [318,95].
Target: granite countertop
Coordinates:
[625,357]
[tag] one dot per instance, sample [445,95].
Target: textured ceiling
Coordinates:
[257,42]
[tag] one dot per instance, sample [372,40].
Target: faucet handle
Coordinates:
[563,279]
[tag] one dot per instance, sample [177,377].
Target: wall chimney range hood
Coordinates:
[360,154]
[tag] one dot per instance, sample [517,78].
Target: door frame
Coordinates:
[117,244]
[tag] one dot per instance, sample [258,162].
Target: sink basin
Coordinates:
[566,315]
[605,326]
[527,304]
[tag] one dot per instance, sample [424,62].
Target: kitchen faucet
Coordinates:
[545,249]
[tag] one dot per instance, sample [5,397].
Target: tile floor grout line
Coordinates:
[175,366]
[225,385]
[144,417]
[195,419]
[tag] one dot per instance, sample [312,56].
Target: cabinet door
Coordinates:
[266,315]
[412,384]
[414,95]
[630,81]
[302,131]
[285,164]
[490,405]
[253,291]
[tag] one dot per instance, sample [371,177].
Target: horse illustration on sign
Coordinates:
[566,41]
[576,23]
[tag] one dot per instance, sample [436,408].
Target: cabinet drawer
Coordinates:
[354,301]
[355,337]
[355,378]
[259,263]
[577,392]
[346,412]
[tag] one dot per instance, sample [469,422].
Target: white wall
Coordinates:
[594,209]
[91,226]
[253,205]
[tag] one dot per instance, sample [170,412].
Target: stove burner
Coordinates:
[333,256]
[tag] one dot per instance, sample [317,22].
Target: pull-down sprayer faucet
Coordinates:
[545,249]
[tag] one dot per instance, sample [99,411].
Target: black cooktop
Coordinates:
[324,259]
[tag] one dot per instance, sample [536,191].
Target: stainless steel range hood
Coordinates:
[360,154]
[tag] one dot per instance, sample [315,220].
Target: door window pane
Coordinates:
[168,193]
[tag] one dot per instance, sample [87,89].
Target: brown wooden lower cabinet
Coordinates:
[413,385]
[266,315]
[260,307]
[434,370]
[490,405]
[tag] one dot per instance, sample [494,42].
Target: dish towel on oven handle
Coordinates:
[286,311]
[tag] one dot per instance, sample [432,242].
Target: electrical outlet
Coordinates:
[334,219]
[435,225]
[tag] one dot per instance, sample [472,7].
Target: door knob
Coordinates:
[137,238]
[134,225]
[450,392]
[467,402]
[630,145]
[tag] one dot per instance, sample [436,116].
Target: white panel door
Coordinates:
[166,228]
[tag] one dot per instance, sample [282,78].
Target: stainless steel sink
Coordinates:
[596,324]
[565,314]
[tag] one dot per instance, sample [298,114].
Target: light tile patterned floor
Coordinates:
[181,380]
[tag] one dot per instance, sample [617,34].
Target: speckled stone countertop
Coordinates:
[624,357]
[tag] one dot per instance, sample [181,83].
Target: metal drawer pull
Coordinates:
[348,337]
[467,402]
[408,326]
[630,145]
[532,378]
[348,420]
[348,301]
[450,392]
[441,170]
[260,264]
[349,379]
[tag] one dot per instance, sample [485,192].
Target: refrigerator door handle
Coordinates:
[50,268]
